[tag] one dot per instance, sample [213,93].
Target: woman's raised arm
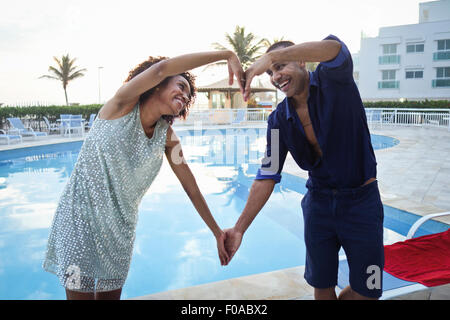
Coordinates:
[128,95]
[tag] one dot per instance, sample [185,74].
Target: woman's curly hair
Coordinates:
[187,75]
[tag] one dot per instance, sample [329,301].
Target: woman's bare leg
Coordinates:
[108,295]
[75,295]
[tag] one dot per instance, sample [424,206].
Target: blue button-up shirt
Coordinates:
[340,125]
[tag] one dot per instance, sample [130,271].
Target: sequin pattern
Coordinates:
[93,230]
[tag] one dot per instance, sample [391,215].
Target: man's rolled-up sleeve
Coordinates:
[341,67]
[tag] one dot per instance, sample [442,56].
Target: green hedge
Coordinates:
[34,115]
[427,104]
[51,112]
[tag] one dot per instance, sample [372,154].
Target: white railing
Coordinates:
[375,117]
[226,116]
[408,117]
[24,104]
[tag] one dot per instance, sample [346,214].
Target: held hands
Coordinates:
[235,69]
[233,240]
[223,254]
[257,68]
[228,242]
[245,78]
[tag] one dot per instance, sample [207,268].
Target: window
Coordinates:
[389,55]
[413,74]
[443,72]
[388,80]
[442,77]
[444,44]
[415,47]
[389,48]
[425,15]
[443,50]
[388,75]
[218,100]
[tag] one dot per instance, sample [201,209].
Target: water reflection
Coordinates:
[171,239]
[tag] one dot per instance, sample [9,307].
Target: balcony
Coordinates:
[441,83]
[389,59]
[388,84]
[441,55]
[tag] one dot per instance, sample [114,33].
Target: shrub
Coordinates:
[426,104]
[36,114]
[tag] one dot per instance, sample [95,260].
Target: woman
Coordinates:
[92,235]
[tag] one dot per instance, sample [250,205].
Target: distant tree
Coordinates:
[267,43]
[311,66]
[65,71]
[246,46]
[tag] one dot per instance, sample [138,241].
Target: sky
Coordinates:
[118,35]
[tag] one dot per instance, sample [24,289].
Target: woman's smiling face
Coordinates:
[175,95]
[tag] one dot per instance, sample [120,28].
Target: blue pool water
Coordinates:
[173,247]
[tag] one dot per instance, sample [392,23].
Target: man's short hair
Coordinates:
[280,45]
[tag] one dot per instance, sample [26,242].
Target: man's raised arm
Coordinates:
[315,51]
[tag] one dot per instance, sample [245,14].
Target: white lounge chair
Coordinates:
[19,128]
[64,120]
[10,137]
[240,117]
[388,117]
[374,116]
[431,120]
[70,122]
[51,126]
[91,120]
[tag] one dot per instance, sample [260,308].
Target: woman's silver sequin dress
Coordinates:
[93,230]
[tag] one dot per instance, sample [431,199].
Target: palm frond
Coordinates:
[267,43]
[48,77]
[219,63]
[244,45]
[218,46]
[56,72]
[65,71]
[58,62]
[76,75]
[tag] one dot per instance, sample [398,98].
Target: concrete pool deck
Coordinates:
[413,176]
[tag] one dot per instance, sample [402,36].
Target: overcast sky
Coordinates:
[119,35]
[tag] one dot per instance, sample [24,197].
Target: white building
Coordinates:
[409,61]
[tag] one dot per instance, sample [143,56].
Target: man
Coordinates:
[322,123]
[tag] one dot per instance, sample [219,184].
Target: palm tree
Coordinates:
[311,66]
[243,45]
[64,72]
[267,43]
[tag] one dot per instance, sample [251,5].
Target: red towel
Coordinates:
[425,259]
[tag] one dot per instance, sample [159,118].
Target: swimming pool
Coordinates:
[173,247]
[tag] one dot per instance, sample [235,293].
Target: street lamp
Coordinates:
[99,95]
